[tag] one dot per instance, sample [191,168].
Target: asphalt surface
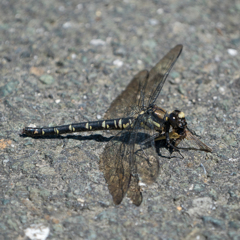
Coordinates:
[66,61]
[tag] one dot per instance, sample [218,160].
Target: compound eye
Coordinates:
[173,118]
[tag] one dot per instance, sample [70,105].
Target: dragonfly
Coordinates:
[130,157]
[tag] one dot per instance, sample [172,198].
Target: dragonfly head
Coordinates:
[177,119]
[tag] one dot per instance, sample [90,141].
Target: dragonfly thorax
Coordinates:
[157,116]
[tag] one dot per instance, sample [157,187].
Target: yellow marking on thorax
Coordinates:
[172,135]
[73,129]
[90,128]
[70,127]
[35,132]
[160,138]
[120,123]
[107,126]
[103,124]
[125,125]
[156,124]
[115,124]
[87,125]
[43,132]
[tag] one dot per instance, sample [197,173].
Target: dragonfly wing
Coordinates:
[115,164]
[129,97]
[134,191]
[147,159]
[148,169]
[159,73]
[144,87]
[144,161]
[191,142]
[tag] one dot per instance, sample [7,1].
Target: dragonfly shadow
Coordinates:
[95,137]
[160,145]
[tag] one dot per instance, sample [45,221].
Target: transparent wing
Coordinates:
[144,87]
[134,191]
[123,160]
[159,73]
[191,142]
[133,151]
[147,159]
[115,165]
[129,97]
[148,169]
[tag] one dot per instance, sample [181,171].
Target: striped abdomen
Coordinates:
[113,124]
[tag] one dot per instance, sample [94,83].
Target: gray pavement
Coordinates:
[66,61]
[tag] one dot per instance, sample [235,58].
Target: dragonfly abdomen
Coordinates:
[112,124]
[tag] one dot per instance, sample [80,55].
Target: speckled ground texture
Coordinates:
[54,71]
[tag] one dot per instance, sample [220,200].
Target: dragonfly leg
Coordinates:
[171,145]
[168,138]
[193,132]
